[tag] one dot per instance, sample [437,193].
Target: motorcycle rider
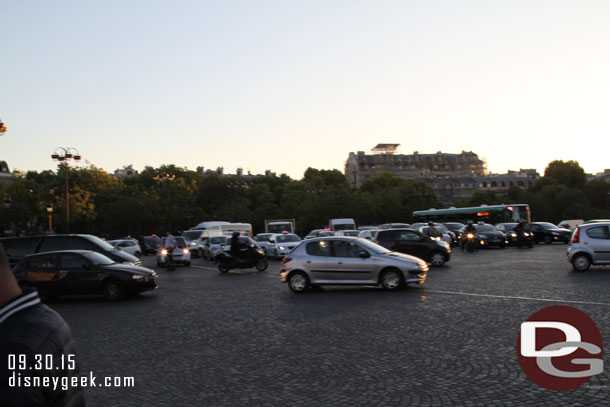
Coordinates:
[467,230]
[433,231]
[519,230]
[169,245]
[236,251]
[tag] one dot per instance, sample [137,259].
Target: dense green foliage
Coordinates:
[146,203]
[562,193]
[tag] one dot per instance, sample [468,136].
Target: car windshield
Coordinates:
[98,259]
[509,226]
[102,243]
[191,234]
[548,226]
[486,228]
[217,240]
[373,247]
[114,243]
[287,238]
[263,238]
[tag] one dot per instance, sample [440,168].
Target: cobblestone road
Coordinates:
[242,338]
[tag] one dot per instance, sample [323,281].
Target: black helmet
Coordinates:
[235,234]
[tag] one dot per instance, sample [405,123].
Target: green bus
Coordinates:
[492,214]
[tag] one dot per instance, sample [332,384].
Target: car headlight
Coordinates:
[513,234]
[193,244]
[137,277]
[282,248]
[164,252]
[185,251]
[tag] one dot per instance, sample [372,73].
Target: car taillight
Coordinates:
[576,237]
[286,260]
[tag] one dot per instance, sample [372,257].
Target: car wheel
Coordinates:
[261,265]
[581,262]
[391,280]
[112,290]
[223,268]
[298,282]
[548,240]
[437,259]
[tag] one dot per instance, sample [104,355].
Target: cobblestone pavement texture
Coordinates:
[243,339]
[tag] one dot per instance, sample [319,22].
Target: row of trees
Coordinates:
[562,193]
[152,201]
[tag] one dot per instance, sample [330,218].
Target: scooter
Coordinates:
[252,256]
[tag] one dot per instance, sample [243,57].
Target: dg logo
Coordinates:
[560,348]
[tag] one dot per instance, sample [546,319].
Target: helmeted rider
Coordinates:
[433,230]
[169,244]
[236,246]
[467,230]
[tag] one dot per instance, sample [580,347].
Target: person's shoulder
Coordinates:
[34,327]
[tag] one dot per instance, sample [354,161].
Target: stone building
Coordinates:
[453,177]
[383,158]
[5,173]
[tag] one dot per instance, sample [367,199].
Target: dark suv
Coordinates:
[19,247]
[416,244]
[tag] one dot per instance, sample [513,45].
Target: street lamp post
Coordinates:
[62,154]
[50,212]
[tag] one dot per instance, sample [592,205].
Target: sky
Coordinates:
[285,85]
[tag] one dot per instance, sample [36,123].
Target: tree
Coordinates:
[568,173]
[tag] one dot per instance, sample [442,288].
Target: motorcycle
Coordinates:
[524,239]
[471,242]
[251,256]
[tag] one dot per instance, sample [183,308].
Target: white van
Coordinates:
[342,224]
[243,228]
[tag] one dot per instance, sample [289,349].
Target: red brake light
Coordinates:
[286,260]
[576,238]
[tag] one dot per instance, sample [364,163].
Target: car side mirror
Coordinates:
[364,254]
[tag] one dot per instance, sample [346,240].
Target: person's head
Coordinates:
[430,223]
[235,235]
[168,233]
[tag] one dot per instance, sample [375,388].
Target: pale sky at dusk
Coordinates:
[285,85]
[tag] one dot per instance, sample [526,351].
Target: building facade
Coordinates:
[383,158]
[453,177]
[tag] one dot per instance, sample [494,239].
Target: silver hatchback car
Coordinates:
[589,245]
[349,261]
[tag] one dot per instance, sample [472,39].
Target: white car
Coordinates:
[215,244]
[180,254]
[195,239]
[130,246]
[263,241]
[281,244]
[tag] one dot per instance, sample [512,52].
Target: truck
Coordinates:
[280,226]
[342,224]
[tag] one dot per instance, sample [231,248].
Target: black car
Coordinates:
[82,272]
[416,244]
[548,233]
[507,229]
[488,236]
[456,228]
[18,247]
[151,244]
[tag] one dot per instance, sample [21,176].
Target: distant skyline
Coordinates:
[284,85]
